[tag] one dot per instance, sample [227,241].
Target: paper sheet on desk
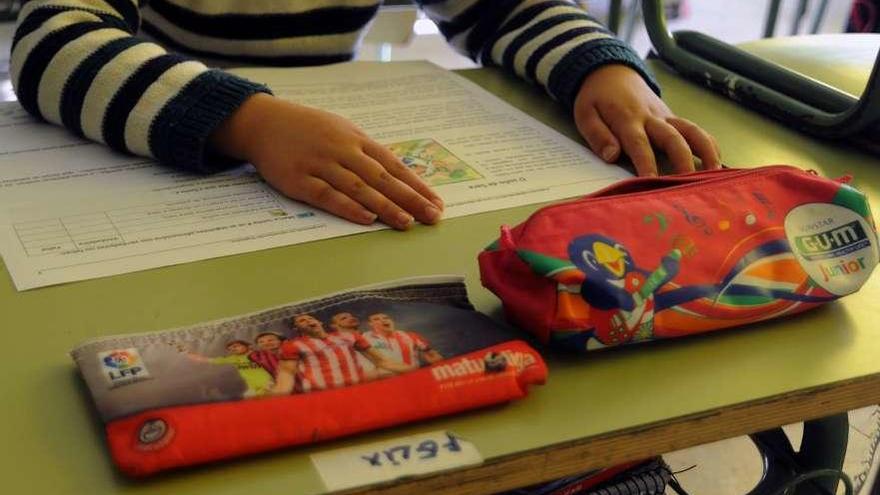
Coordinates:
[74,210]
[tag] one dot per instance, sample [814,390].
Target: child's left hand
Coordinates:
[615,110]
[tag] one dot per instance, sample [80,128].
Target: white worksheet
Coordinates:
[73,210]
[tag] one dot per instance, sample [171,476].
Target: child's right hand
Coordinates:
[325,160]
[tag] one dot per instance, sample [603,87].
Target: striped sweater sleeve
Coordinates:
[552,43]
[79,64]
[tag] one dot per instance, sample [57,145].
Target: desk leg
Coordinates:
[823,447]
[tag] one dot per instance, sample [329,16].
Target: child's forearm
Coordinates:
[234,137]
[79,63]
[551,43]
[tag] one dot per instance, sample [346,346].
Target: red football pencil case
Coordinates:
[654,258]
[301,373]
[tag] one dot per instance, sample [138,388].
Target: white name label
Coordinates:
[385,461]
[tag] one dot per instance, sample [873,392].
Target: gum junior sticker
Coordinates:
[834,245]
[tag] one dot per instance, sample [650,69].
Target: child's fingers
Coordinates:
[700,141]
[393,165]
[380,179]
[667,138]
[638,147]
[319,193]
[356,188]
[598,135]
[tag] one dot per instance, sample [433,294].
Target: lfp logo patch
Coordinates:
[123,366]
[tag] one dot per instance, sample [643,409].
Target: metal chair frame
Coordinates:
[788,96]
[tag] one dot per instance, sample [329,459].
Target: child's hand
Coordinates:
[325,160]
[616,109]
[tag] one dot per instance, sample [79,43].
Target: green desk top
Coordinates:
[53,443]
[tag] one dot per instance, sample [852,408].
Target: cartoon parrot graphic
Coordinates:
[620,293]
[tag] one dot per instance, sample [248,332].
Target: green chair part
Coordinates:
[786,95]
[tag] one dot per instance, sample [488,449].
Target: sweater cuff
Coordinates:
[179,135]
[568,75]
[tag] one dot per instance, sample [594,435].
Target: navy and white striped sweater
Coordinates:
[79,63]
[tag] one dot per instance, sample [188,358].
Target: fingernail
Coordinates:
[368,216]
[608,152]
[404,220]
[438,202]
[432,213]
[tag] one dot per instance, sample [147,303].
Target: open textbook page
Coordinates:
[73,210]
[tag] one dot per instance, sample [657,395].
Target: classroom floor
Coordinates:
[729,467]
